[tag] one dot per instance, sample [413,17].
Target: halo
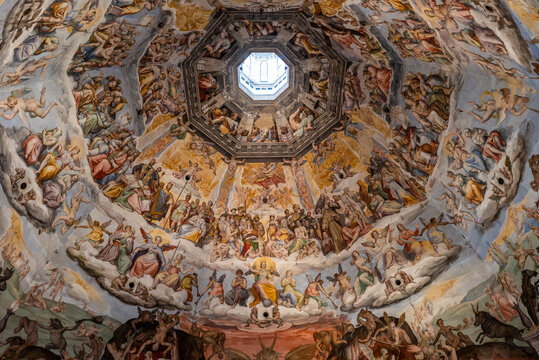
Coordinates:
[270,264]
[158,232]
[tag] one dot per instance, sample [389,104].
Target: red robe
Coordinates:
[102,166]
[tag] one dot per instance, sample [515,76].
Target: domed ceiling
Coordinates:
[269,180]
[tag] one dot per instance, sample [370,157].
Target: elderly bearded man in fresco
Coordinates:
[149,258]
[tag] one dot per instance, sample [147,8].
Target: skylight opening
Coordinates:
[263,75]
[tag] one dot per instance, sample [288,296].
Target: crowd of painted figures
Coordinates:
[414,37]
[160,85]
[237,233]
[45,36]
[383,337]
[108,46]
[371,71]
[335,223]
[300,120]
[53,162]
[397,177]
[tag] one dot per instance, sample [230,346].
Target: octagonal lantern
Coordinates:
[263,75]
[263,86]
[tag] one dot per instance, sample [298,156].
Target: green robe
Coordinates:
[123,262]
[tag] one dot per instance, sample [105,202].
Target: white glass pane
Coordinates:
[263,75]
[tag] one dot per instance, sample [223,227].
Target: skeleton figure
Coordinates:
[502,182]
[397,282]
[121,283]
[18,184]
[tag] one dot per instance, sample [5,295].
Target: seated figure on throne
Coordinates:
[263,270]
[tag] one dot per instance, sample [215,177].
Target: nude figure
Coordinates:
[22,107]
[56,290]
[494,66]
[34,297]
[165,323]
[119,351]
[28,68]
[500,107]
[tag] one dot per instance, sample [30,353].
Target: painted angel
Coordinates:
[313,290]
[189,173]
[345,291]
[18,103]
[96,234]
[263,270]
[215,287]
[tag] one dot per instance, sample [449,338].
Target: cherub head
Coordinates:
[12,101]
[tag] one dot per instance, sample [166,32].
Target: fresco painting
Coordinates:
[386,211]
